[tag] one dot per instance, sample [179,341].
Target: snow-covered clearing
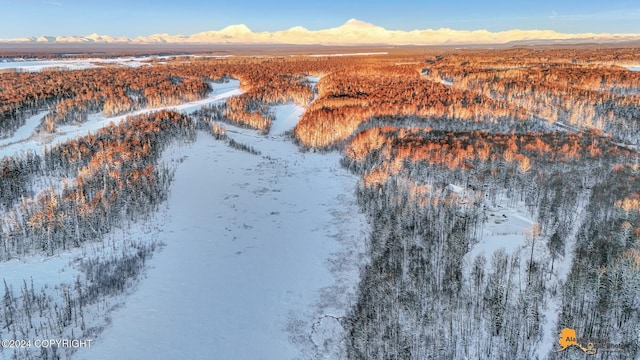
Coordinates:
[25,131]
[261,256]
[41,271]
[287,117]
[506,227]
[313,79]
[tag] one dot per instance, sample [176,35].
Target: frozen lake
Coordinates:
[69,64]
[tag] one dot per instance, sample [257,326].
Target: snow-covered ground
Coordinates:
[506,227]
[287,117]
[39,270]
[634,68]
[72,64]
[25,131]
[261,257]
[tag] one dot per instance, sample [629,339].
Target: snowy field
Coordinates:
[81,64]
[260,251]
[71,64]
[506,227]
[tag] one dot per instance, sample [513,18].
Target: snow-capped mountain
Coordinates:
[352,32]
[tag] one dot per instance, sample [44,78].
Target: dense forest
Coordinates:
[442,140]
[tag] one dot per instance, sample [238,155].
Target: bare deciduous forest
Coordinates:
[439,137]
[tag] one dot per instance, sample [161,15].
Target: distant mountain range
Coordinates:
[353,32]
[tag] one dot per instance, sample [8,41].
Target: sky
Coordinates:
[132,18]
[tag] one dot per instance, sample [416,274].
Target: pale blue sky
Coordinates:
[133,18]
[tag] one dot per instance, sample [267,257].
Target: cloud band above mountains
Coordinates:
[353,32]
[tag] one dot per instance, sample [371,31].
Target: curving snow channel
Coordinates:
[261,259]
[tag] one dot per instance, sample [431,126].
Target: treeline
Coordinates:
[574,87]
[467,149]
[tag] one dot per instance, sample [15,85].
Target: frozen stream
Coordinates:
[261,257]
